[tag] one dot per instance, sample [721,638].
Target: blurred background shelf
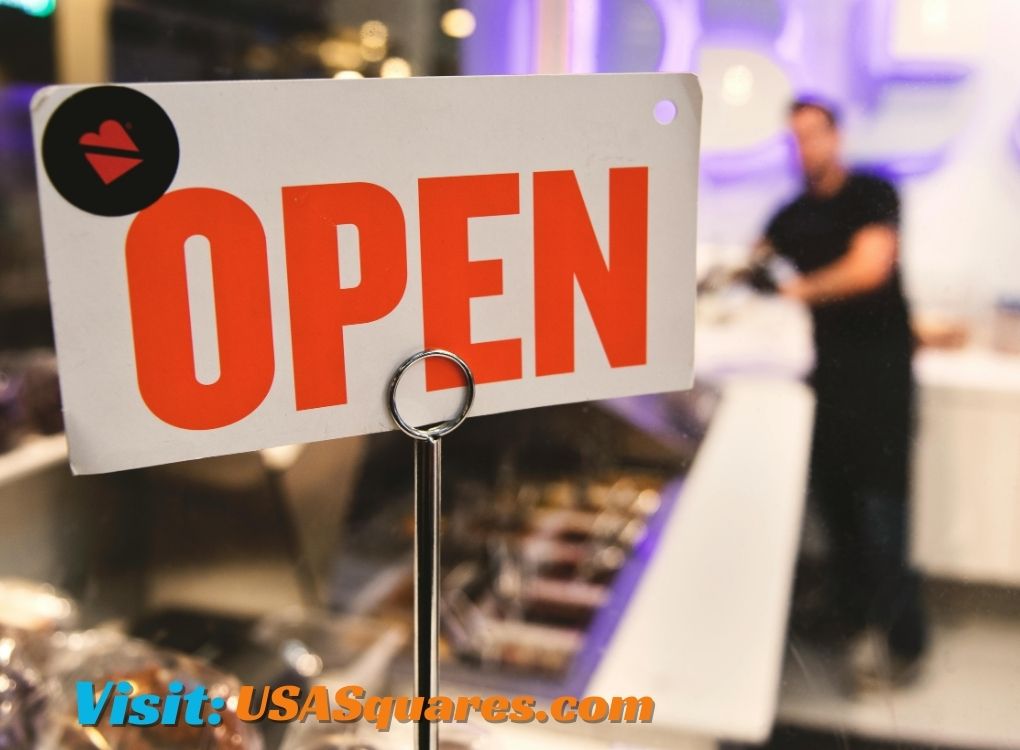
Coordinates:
[34,454]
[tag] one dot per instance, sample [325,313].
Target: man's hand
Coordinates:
[866,266]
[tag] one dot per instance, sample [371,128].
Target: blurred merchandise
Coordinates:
[541,566]
[100,656]
[368,667]
[549,519]
[293,646]
[940,331]
[32,613]
[1006,326]
[31,616]
[23,699]
[341,737]
[29,396]
[323,648]
[453,736]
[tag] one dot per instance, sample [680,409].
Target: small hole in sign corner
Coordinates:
[664,111]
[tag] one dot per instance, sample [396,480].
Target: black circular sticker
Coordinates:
[110,150]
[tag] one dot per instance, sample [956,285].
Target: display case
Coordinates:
[294,565]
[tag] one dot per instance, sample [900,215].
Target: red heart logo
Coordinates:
[111,136]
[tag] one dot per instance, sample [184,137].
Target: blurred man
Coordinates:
[841,234]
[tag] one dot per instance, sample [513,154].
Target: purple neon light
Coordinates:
[15,128]
[898,166]
[584,35]
[790,42]
[772,154]
[874,66]
[874,42]
[681,28]
[504,43]
[603,627]
[1015,138]
[521,25]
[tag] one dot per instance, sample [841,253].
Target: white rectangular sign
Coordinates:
[240,265]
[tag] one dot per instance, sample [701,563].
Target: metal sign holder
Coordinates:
[427,510]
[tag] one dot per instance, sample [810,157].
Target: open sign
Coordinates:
[313,234]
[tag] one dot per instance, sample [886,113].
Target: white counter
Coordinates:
[704,632]
[972,370]
[965,497]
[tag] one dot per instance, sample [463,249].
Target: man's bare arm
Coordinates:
[866,266]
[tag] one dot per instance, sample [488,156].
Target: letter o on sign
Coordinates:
[161,316]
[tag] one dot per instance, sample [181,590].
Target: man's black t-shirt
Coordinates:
[813,232]
[863,344]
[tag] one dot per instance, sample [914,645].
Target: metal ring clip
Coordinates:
[443,428]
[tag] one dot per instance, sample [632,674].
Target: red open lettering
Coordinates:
[160,313]
[450,280]
[319,308]
[566,248]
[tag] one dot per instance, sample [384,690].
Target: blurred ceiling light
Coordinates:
[338,53]
[374,34]
[347,74]
[282,457]
[458,23]
[737,85]
[308,665]
[373,54]
[935,16]
[395,67]
[307,44]
[261,58]
[38,8]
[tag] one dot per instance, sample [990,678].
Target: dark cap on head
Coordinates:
[814,101]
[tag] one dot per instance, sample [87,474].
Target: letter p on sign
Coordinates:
[240,265]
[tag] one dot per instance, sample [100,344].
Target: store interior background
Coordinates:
[931,92]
